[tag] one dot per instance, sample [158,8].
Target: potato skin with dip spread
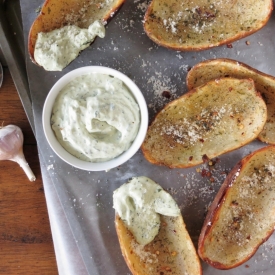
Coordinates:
[151,231]
[55,14]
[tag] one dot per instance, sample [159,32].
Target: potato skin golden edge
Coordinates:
[220,62]
[214,212]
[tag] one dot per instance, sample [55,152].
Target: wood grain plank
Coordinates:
[26,245]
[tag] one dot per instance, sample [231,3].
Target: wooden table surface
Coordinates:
[26,245]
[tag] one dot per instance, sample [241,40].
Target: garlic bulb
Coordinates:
[11,148]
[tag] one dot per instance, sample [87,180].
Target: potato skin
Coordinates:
[186,34]
[55,14]
[184,131]
[265,84]
[216,212]
[221,67]
[171,252]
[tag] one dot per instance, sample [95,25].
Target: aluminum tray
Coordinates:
[87,196]
[12,51]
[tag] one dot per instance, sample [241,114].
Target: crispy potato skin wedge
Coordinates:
[203,24]
[265,84]
[55,14]
[242,215]
[171,252]
[210,120]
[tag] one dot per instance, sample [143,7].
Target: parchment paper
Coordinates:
[86,197]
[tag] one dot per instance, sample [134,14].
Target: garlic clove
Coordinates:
[11,141]
[11,148]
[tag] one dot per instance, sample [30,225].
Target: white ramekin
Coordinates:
[66,156]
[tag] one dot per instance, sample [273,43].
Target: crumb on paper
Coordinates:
[49,167]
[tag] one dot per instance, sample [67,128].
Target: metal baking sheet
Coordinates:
[12,51]
[87,196]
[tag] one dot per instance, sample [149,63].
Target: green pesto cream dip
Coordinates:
[95,117]
[56,49]
[139,204]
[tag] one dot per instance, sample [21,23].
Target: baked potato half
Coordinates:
[265,84]
[210,120]
[203,24]
[242,215]
[171,252]
[151,231]
[55,14]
